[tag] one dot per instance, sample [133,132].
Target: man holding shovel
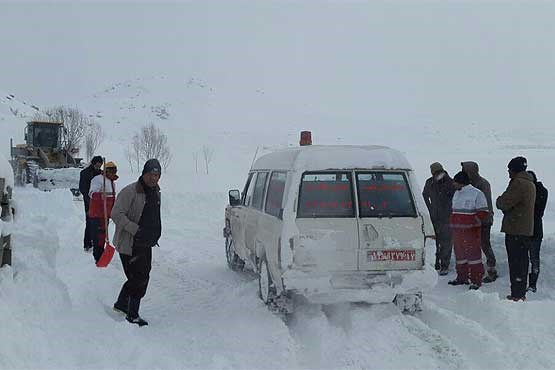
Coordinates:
[136,214]
[102,194]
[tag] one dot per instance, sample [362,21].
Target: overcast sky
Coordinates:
[452,62]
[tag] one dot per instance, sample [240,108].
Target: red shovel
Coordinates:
[109,250]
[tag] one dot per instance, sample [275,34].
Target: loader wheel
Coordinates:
[266,288]
[234,262]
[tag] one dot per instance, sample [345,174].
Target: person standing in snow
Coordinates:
[472,170]
[517,205]
[85,178]
[438,196]
[536,242]
[470,209]
[136,214]
[103,188]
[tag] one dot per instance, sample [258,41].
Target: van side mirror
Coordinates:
[234,198]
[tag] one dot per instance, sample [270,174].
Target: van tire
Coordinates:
[234,262]
[266,288]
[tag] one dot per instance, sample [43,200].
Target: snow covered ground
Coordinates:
[437,84]
[204,316]
[57,308]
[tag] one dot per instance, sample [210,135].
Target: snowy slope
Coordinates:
[236,120]
[14,112]
[201,314]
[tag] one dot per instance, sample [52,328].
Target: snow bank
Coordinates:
[6,171]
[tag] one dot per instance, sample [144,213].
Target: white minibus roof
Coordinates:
[327,157]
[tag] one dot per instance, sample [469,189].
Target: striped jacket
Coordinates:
[470,208]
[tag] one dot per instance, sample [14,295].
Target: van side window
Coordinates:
[326,195]
[274,198]
[250,190]
[384,194]
[244,193]
[258,195]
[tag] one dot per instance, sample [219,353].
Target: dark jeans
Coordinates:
[486,247]
[98,235]
[137,270]
[534,253]
[517,253]
[444,244]
[87,238]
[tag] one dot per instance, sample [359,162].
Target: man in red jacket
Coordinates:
[103,188]
[470,209]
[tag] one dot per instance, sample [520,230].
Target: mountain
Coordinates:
[14,111]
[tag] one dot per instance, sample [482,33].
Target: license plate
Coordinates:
[391,255]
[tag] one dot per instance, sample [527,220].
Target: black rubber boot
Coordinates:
[122,304]
[492,276]
[458,282]
[133,312]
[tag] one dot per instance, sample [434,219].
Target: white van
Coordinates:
[333,224]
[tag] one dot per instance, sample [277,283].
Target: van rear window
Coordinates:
[326,195]
[384,194]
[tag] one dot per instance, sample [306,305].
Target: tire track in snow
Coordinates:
[218,312]
[496,333]
[355,336]
[474,341]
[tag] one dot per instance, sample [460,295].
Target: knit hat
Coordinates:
[96,159]
[518,164]
[461,178]
[152,166]
[436,167]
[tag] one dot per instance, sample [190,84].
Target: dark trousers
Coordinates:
[444,244]
[87,238]
[534,254]
[137,270]
[517,253]
[98,235]
[486,247]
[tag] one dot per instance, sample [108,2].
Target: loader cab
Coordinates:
[44,134]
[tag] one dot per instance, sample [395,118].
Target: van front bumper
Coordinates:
[359,286]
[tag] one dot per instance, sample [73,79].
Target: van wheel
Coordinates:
[234,262]
[266,288]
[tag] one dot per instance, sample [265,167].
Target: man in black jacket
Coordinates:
[536,242]
[85,178]
[136,215]
[438,195]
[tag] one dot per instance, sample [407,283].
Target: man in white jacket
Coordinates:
[470,209]
[103,189]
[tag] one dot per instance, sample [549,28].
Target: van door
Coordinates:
[239,218]
[326,220]
[254,213]
[390,231]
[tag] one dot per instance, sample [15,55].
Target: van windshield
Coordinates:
[384,194]
[326,195]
